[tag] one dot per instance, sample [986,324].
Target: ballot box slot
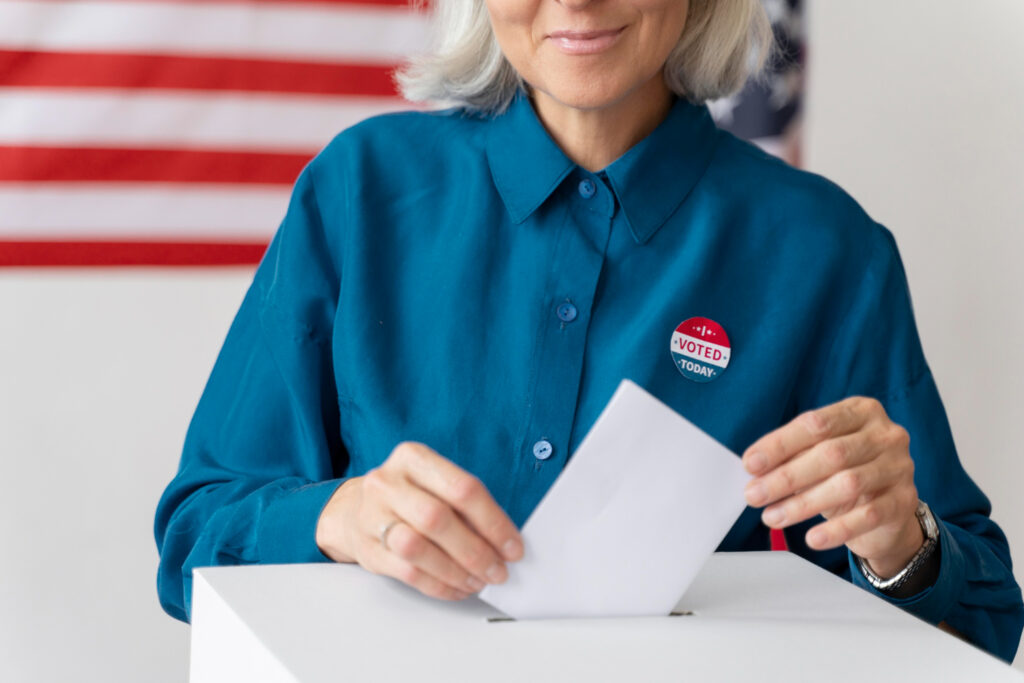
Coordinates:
[680,613]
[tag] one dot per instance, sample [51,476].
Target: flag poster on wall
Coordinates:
[171,131]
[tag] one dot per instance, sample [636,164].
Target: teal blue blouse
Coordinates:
[455,279]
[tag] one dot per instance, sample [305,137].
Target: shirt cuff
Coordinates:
[287,528]
[933,603]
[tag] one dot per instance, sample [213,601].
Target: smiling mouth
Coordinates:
[585,42]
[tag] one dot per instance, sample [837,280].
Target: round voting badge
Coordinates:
[700,349]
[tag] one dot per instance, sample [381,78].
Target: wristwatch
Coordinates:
[931,542]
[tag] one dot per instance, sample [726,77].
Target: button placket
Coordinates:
[577,261]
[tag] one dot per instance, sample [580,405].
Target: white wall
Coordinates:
[916,107]
[99,374]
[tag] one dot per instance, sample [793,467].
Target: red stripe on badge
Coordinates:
[96,164]
[115,253]
[30,68]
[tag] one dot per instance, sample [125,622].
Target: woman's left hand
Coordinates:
[849,463]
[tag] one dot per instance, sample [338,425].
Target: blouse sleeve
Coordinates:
[876,352]
[263,448]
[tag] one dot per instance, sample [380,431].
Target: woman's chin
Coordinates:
[594,96]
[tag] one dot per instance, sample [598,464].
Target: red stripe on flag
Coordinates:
[283,3]
[112,253]
[25,68]
[388,3]
[64,164]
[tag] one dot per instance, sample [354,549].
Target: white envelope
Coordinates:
[624,530]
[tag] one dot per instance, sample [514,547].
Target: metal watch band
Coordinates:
[930,529]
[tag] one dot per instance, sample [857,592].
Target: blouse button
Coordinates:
[587,188]
[543,449]
[567,312]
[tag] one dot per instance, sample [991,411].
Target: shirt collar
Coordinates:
[527,165]
[650,180]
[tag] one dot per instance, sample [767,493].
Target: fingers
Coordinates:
[833,476]
[410,557]
[808,429]
[465,493]
[420,553]
[839,492]
[436,522]
[448,525]
[849,463]
[393,563]
[810,467]
[862,524]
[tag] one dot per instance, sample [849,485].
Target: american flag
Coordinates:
[171,131]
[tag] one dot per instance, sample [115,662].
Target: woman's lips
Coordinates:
[585,42]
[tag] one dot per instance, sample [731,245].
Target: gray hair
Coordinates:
[723,43]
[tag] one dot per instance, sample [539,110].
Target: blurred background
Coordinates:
[147,149]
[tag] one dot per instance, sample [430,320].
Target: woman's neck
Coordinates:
[594,138]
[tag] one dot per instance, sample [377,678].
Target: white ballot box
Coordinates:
[747,617]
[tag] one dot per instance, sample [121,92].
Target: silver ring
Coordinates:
[384,533]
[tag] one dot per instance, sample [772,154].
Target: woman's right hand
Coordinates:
[447,536]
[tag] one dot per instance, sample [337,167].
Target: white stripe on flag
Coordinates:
[234,121]
[92,211]
[292,30]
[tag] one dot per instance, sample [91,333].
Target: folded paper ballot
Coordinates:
[611,539]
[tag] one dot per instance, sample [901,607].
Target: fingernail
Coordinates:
[757,494]
[475,584]
[512,549]
[756,462]
[496,573]
[773,516]
[816,538]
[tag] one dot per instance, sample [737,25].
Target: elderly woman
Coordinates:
[453,296]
